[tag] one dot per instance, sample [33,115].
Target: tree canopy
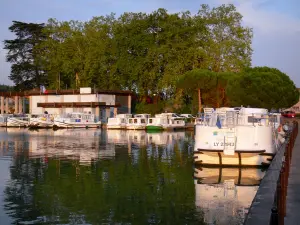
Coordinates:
[261,87]
[145,53]
[26,70]
[156,54]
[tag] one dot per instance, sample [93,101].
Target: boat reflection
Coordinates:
[85,145]
[224,195]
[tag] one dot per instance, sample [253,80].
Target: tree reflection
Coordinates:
[151,185]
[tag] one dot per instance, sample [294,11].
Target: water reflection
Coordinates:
[98,177]
[224,195]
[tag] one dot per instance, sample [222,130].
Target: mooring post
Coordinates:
[274,216]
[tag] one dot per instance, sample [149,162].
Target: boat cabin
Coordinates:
[126,116]
[137,121]
[81,117]
[142,116]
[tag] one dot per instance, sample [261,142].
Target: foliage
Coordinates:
[174,55]
[227,42]
[123,188]
[5,88]
[150,108]
[145,53]
[26,70]
[263,87]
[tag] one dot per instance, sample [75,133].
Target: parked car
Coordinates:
[289,114]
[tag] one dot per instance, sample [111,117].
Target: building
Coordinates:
[103,104]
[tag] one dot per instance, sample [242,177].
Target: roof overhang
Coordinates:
[75,105]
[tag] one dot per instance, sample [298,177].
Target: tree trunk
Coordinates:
[199,100]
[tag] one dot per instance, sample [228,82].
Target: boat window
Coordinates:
[150,120]
[143,121]
[252,119]
[135,120]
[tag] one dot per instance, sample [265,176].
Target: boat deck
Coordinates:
[293,190]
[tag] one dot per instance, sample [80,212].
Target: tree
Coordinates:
[262,87]
[26,70]
[227,42]
[200,80]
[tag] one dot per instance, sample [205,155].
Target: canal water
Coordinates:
[116,177]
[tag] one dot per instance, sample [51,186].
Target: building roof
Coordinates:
[65,92]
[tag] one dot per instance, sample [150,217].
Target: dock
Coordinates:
[277,200]
[293,190]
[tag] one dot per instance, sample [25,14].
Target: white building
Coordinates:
[103,104]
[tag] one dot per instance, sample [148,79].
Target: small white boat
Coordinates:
[167,121]
[235,136]
[41,121]
[17,121]
[125,115]
[116,123]
[156,123]
[136,123]
[77,120]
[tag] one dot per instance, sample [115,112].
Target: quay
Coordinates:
[293,189]
[277,200]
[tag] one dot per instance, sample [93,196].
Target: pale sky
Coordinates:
[276,23]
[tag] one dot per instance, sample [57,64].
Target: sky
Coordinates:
[275,23]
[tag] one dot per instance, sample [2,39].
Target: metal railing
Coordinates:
[232,119]
[269,204]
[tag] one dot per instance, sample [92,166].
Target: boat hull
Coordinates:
[76,125]
[240,158]
[135,127]
[13,122]
[115,126]
[41,124]
[153,127]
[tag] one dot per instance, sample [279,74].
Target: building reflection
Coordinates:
[224,195]
[83,145]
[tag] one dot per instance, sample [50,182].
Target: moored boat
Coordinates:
[116,123]
[136,124]
[156,124]
[17,121]
[41,121]
[235,136]
[77,120]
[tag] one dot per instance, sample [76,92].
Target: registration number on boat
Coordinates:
[224,144]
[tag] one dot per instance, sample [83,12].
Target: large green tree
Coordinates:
[26,69]
[227,41]
[262,87]
[201,81]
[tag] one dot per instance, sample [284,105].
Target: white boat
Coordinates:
[224,195]
[17,121]
[136,123]
[116,123]
[168,121]
[41,121]
[77,120]
[235,136]
[125,115]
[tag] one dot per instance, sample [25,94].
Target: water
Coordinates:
[115,177]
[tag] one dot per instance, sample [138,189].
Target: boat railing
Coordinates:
[232,118]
